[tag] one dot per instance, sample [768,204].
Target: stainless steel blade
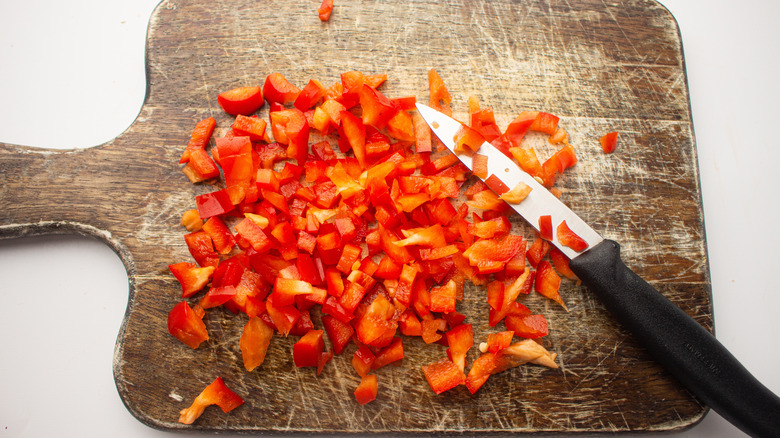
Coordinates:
[540,201]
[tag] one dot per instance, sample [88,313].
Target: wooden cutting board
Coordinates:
[601,66]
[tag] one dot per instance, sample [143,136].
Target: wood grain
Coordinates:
[601,66]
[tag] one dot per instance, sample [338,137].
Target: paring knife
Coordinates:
[674,339]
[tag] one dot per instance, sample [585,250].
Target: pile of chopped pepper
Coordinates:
[342,201]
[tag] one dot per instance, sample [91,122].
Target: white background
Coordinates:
[67,63]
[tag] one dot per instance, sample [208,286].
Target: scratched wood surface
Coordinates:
[601,66]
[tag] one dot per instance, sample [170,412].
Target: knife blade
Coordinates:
[674,339]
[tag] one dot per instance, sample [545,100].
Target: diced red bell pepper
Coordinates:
[443,375]
[518,127]
[283,317]
[213,204]
[496,185]
[308,349]
[468,140]
[443,298]
[569,238]
[545,227]
[440,98]
[377,108]
[201,248]
[392,353]
[252,127]
[290,127]
[548,283]
[527,326]
[354,131]
[310,94]
[499,341]
[409,324]
[220,234]
[376,321]
[545,122]
[325,9]
[362,360]
[479,165]
[255,235]
[367,389]
[242,100]
[254,342]
[199,138]
[217,393]
[460,339]
[191,277]
[565,158]
[561,263]
[609,142]
[422,134]
[339,332]
[186,325]
[431,329]
[277,89]
[286,289]
[536,252]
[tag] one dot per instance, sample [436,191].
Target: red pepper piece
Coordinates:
[339,332]
[496,185]
[283,317]
[443,298]
[545,122]
[186,325]
[242,100]
[354,132]
[376,321]
[468,140]
[286,289]
[191,277]
[536,252]
[609,142]
[290,127]
[277,89]
[220,234]
[440,98]
[565,157]
[308,349]
[249,230]
[199,138]
[217,296]
[460,339]
[527,326]
[392,353]
[254,342]
[202,250]
[213,204]
[499,341]
[479,165]
[548,283]
[367,389]
[362,360]
[377,108]
[217,393]
[569,238]
[252,127]
[518,127]
[443,375]
[401,126]
[528,161]
[545,227]
[325,9]
[409,324]
[310,94]
[561,263]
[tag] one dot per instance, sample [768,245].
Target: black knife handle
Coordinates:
[680,344]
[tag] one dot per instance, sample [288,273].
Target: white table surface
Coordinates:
[64,64]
